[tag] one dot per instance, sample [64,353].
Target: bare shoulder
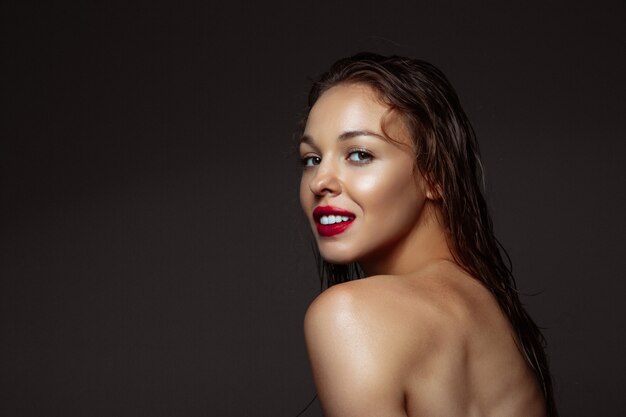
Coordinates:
[358,350]
[408,321]
[352,301]
[341,302]
[363,311]
[378,310]
[439,301]
[435,342]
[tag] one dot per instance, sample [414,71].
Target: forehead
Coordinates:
[347,106]
[354,107]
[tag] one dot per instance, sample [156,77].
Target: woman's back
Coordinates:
[432,343]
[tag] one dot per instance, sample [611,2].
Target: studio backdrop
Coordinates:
[154,260]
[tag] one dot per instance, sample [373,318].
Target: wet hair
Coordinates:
[447,156]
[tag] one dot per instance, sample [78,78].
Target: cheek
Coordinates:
[305,195]
[368,184]
[385,187]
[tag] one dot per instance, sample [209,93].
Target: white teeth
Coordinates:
[332,219]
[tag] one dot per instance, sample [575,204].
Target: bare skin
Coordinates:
[418,337]
[431,343]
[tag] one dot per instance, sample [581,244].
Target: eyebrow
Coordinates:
[345,136]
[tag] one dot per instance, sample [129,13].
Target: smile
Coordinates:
[334,219]
[331,221]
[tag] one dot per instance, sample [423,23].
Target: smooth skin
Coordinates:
[419,336]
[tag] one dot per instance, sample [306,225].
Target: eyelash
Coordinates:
[305,160]
[367,158]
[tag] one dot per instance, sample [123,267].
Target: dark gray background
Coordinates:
[153,258]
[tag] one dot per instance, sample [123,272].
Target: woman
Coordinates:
[391,186]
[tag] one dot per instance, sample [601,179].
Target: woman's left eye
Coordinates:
[309,161]
[360,156]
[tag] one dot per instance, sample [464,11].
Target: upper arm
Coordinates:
[357,366]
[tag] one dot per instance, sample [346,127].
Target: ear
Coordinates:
[426,186]
[432,190]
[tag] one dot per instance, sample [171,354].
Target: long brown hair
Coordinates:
[447,156]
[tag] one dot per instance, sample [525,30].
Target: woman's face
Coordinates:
[359,190]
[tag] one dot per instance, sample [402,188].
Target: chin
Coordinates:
[338,260]
[334,255]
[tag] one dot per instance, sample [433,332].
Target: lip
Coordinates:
[331,229]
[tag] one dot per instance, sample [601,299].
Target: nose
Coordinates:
[325,180]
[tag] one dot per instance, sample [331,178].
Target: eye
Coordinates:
[361,157]
[309,161]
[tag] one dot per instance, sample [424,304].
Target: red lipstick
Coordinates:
[335,228]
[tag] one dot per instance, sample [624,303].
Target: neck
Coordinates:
[424,244]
